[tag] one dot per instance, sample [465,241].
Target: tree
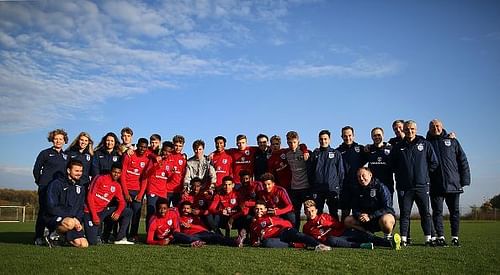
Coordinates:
[495,201]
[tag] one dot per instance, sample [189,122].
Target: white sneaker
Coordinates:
[322,247]
[123,241]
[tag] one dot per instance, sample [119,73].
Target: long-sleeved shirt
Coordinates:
[323,226]
[242,160]
[157,174]
[278,199]
[223,164]
[177,164]
[102,191]
[192,225]
[103,161]
[65,198]
[133,173]
[267,227]
[161,228]
[49,164]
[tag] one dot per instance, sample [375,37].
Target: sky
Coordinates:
[208,68]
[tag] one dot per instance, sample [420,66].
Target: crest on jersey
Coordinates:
[162,174]
[142,164]
[65,157]
[263,223]
[136,170]
[233,201]
[91,223]
[169,222]
[113,189]
[201,202]
[224,161]
[78,189]
[447,142]
[387,151]
[247,152]
[331,155]
[373,192]
[356,148]
[379,159]
[115,158]
[87,157]
[283,156]
[276,199]
[420,147]
[181,162]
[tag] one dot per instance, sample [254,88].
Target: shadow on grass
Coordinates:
[17,237]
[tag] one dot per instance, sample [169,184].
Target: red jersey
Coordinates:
[201,200]
[161,228]
[192,225]
[157,175]
[323,226]
[267,227]
[223,164]
[248,195]
[102,190]
[278,166]
[242,160]
[177,164]
[229,202]
[132,173]
[278,199]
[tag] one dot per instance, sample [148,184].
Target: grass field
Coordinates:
[479,254]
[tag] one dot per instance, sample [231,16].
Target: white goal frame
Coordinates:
[18,219]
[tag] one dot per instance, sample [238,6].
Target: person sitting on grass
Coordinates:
[328,230]
[372,206]
[164,227]
[275,232]
[194,227]
[65,200]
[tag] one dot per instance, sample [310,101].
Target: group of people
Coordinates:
[93,195]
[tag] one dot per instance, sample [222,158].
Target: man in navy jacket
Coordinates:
[447,181]
[65,202]
[412,160]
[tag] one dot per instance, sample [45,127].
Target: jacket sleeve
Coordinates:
[123,178]
[53,205]
[151,233]
[463,166]
[91,198]
[384,196]
[143,180]
[288,204]
[121,200]
[94,171]
[213,206]
[211,173]
[340,169]
[431,157]
[37,168]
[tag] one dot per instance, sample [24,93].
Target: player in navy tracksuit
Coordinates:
[328,175]
[50,164]
[354,157]
[412,160]
[106,153]
[448,180]
[65,202]
[82,149]
[378,159]
[372,207]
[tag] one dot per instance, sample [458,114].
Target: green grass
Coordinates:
[479,254]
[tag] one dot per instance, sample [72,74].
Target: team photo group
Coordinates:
[95,194]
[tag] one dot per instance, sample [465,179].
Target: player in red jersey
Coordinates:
[226,209]
[133,182]
[200,197]
[164,226]
[157,174]
[194,227]
[98,207]
[328,230]
[278,165]
[177,163]
[154,147]
[222,161]
[276,198]
[243,156]
[275,232]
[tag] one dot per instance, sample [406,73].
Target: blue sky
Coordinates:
[204,68]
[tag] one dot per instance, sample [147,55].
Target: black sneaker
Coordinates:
[441,242]
[455,242]
[408,241]
[430,243]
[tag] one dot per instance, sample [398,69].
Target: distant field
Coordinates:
[479,254]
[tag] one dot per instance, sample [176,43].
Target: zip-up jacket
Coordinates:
[102,162]
[65,199]
[49,165]
[453,172]
[378,162]
[86,160]
[354,157]
[328,169]
[412,162]
[101,192]
[373,199]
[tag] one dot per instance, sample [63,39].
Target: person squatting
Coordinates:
[92,195]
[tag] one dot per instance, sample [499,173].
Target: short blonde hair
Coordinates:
[309,203]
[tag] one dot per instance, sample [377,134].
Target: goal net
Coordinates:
[12,213]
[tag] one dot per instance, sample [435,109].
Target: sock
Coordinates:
[428,238]
[433,238]
[403,238]
[388,236]
[454,237]
[441,238]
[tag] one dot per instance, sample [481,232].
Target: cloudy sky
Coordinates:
[204,68]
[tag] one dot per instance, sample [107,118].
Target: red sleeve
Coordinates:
[286,200]
[151,233]
[303,148]
[306,228]
[213,206]
[143,180]
[121,200]
[327,221]
[91,196]
[177,223]
[277,221]
[123,177]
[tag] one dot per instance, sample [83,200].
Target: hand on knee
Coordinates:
[80,243]
[67,224]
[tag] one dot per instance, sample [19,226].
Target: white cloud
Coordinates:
[53,54]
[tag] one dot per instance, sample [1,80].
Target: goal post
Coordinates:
[12,213]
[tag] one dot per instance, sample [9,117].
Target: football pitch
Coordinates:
[479,254]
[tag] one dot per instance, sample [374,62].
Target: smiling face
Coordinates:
[58,141]
[269,185]
[377,136]
[110,143]
[162,209]
[348,136]
[398,129]
[220,145]
[260,210]
[116,173]
[436,127]
[141,148]
[241,143]
[75,172]
[155,143]
[198,152]
[364,177]
[83,142]
[410,130]
[324,140]
[262,143]
[186,210]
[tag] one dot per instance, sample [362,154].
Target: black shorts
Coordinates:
[372,226]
